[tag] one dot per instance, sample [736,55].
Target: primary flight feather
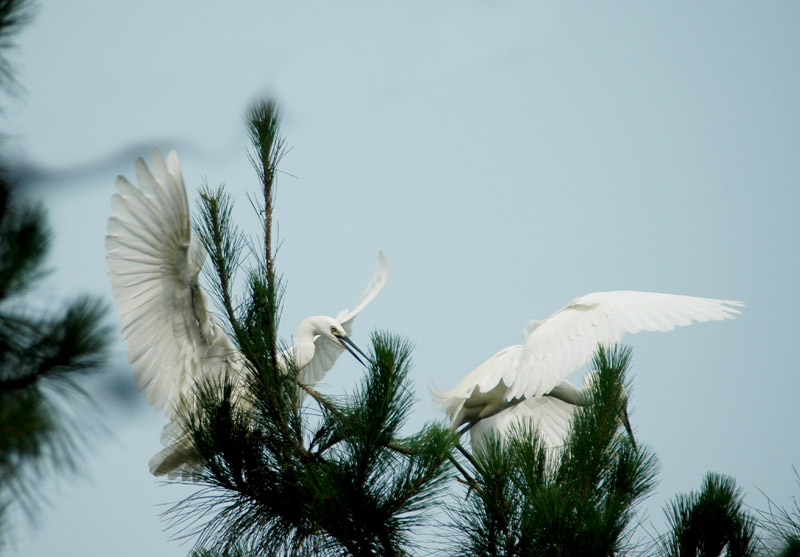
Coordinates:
[530,379]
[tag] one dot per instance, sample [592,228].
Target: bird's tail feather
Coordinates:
[177,461]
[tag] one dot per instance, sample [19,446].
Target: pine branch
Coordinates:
[14,15]
[782,524]
[40,356]
[24,242]
[52,348]
[575,501]
[263,120]
[223,244]
[273,481]
[710,521]
[359,494]
[255,332]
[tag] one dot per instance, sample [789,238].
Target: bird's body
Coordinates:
[529,380]
[174,340]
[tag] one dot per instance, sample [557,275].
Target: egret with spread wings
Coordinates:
[174,340]
[530,379]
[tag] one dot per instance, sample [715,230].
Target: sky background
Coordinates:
[507,157]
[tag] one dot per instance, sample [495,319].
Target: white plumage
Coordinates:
[529,380]
[314,364]
[174,340]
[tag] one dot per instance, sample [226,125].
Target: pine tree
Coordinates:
[711,522]
[526,501]
[14,14]
[782,526]
[328,477]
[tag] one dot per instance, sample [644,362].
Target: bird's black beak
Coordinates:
[351,347]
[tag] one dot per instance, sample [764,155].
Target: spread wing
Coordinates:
[375,285]
[567,340]
[154,263]
[326,351]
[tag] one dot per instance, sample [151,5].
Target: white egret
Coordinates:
[174,340]
[529,380]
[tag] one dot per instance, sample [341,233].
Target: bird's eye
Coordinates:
[333,329]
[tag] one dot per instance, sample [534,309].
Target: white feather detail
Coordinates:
[562,344]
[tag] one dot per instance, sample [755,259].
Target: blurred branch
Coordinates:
[14,15]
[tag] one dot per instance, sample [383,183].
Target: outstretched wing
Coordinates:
[153,266]
[567,340]
[326,351]
[375,285]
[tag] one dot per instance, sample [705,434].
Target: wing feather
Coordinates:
[374,286]
[326,352]
[567,340]
[154,262]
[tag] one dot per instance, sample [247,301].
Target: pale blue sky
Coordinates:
[506,157]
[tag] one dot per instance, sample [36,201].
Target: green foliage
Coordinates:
[791,547]
[234,552]
[287,470]
[41,355]
[579,501]
[221,240]
[263,125]
[710,522]
[783,526]
[347,484]
[14,14]
[375,484]
[263,122]
[24,241]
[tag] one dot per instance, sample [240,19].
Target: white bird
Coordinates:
[174,340]
[529,380]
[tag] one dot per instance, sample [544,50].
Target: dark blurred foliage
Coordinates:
[43,351]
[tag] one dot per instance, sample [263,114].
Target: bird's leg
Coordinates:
[319,397]
[466,455]
[471,482]
[467,427]
[570,394]
[468,479]
[627,424]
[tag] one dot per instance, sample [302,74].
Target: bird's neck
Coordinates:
[569,393]
[304,342]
